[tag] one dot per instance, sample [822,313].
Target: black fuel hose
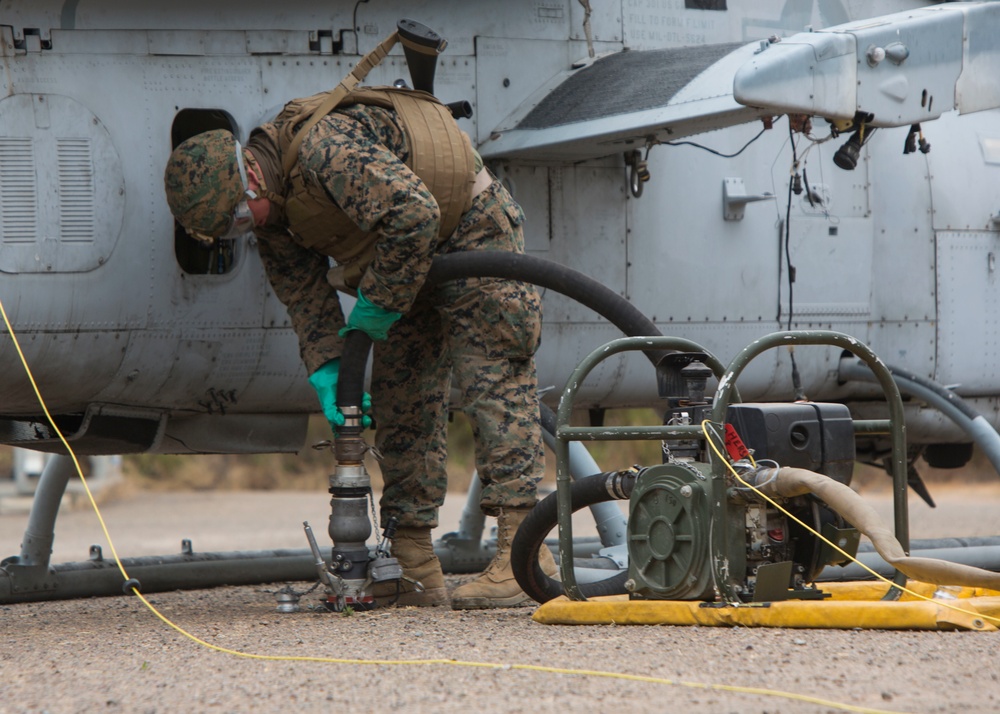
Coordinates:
[511,266]
[566,281]
[351,382]
[530,537]
[552,276]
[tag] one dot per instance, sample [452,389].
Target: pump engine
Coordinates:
[770,555]
[767,554]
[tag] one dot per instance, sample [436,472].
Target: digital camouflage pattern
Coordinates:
[203,182]
[480,334]
[357,158]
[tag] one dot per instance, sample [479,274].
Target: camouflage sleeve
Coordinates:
[298,277]
[371,184]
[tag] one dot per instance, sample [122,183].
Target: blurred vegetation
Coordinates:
[309,469]
[306,470]
[614,455]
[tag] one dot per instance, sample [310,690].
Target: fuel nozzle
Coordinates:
[353,569]
[350,523]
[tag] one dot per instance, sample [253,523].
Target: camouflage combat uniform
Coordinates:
[478,334]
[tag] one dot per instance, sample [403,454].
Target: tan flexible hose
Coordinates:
[791,482]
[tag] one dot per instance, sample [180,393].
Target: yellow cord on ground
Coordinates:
[423,662]
[525,668]
[708,437]
[55,427]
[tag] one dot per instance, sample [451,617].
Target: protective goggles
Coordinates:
[241,221]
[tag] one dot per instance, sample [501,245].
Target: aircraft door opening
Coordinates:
[192,256]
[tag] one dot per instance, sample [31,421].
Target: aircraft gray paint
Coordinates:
[144,342]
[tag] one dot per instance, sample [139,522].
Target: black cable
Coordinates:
[713,151]
[796,379]
[788,222]
[354,19]
[809,193]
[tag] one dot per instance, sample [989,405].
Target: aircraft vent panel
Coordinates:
[625,83]
[18,192]
[62,188]
[76,190]
[622,101]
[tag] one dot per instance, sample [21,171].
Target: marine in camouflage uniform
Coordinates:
[482,333]
[478,335]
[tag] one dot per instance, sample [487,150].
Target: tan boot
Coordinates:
[415,552]
[496,587]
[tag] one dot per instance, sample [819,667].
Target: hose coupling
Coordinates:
[350,448]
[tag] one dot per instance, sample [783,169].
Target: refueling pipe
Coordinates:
[350,447]
[938,396]
[788,482]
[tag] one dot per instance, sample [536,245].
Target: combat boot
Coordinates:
[415,552]
[496,587]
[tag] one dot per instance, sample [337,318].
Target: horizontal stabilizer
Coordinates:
[902,69]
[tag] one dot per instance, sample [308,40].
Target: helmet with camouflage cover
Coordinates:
[204,183]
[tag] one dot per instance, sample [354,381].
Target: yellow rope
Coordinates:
[524,667]
[418,662]
[58,431]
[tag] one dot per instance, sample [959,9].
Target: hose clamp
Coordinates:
[352,417]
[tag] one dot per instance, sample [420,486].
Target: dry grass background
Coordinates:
[309,469]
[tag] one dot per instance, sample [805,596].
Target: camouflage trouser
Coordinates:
[479,335]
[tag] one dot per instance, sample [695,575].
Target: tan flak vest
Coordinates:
[440,154]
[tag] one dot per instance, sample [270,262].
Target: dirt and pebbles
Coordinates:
[114,655]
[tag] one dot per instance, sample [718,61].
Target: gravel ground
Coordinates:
[113,655]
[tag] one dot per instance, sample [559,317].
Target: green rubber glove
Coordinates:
[371,319]
[324,381]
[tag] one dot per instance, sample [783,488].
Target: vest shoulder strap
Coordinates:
[289,130]
[334,98]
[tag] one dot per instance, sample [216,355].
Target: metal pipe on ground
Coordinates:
[986,557]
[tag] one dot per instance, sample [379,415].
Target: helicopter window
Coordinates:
[194,257]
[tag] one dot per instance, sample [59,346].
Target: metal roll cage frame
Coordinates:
[725,394]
